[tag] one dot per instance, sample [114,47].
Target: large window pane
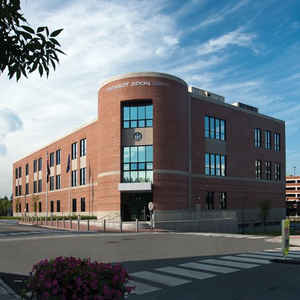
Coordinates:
[133,113]
[133,124]
[141,176]
[126,177]
[149,123]
[222,130]
[126,113]
[212,127]
[206,126]
[141,166]
[207,169]
[134,177]
[133,166]
[133,154]
[149,153]
[218,170]
[223,166]
[212,164]
[126,155]
[141,112]
[149,112]
[141,154]
[149,176]
[217,129]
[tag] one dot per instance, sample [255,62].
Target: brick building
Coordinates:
[157,140]
[292,195]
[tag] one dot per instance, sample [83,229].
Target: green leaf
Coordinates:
[26,35]
[41,70]
[40,29]
[47,31]
[28,29]
[56,32]
[54,41]
[18,74]
[53,63]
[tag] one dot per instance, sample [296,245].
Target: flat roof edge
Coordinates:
[143,74]
[56,140]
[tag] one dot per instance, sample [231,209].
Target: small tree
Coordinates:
[265,206]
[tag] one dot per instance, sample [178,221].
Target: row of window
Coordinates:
[268,140]
[214,128]
[52,203]
[137,115]
[37,185]
[137,164]
[219,203]
[54,157]
[215,164]
[268,174]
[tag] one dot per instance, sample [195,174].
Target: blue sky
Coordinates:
[247,51]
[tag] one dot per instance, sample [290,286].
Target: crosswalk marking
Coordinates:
[164,279]
[206,267]
[278,254]
[250,260]
[142,288]
[186,273]
[229,263]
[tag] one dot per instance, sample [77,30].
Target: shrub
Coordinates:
[75,278]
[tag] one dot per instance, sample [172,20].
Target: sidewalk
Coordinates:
[6,293]
[294,240]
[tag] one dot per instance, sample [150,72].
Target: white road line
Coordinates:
[142,288]
[186,273]
[206,267]
[251,255]
[229,263]
[279,254]
[163,279]
[250,260]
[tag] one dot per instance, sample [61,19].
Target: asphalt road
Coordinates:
[160,263]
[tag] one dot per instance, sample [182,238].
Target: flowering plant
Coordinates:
[75,278]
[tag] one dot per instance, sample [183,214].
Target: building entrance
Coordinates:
[135,206]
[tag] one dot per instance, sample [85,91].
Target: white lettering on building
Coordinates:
[137,84]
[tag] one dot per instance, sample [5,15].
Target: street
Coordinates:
[163,265]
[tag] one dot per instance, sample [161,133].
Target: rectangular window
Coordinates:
[73,178]
[51,159]
[20,190]
[206,126]
[277,142]
[137,115]
[34,186]
[40,206]
[267,140]
[258,169]
[52,206]
[277,172]
[17,173]
[27,188]
[257,138]
[57,182]
[58,206]
[82,176]
[40,185]
[214,128]
[215,164]
[137,164]
[58,157]
[27,169]
[20,172]
[82,147]
[210,200]
[40,164]
[82,204]
[223,200]
[268,170]
[16,192]
[207,160]
[34,165]
[27,208]
[74,208]
[74,150]
[51,183]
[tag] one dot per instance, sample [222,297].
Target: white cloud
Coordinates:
[233,38]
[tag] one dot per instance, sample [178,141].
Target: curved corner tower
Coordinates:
[143,147]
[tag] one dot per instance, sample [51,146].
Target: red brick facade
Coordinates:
[179,147]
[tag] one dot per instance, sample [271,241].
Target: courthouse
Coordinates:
[158,140]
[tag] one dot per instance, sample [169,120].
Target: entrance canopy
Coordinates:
[135,187]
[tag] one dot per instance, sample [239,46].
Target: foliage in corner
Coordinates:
[22,49]
[75,278]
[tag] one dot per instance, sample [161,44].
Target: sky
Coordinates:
[246,51]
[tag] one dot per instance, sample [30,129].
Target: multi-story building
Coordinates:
[157,140]
[292,195]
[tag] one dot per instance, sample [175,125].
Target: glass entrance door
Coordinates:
[135,206]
